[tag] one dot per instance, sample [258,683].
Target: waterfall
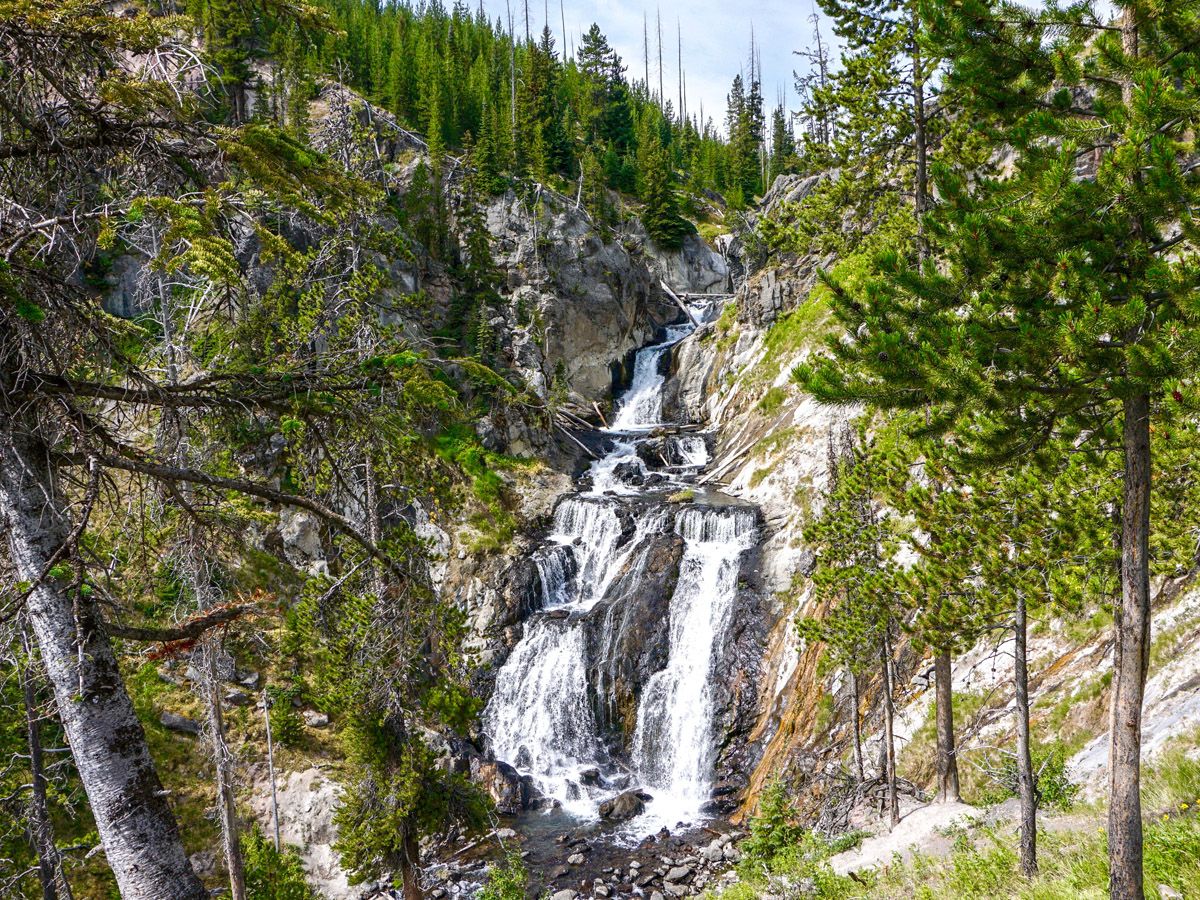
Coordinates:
[592,529]
[673,746]
[641,407]
[540,718]
[604,572]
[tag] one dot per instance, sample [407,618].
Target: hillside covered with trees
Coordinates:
[433,464]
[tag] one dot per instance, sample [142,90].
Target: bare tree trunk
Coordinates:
[136,826]
[374,522]
[266,706]
[858,751]
[173,435]
[947,755]
[661,94]
[1025,786]
[223,762]
[920,141]
[41,832]
[411,868]
[889,737]
[1132,659]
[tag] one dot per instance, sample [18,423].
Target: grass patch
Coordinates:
[1073,864]
[182,760]
[772,400]
[1168,644]
[775,441]
[758,476]
[492,518]
[687,495]
[710,231]
[983,863]
[1171,784]
[725,329]
[1064,718]
[802,327]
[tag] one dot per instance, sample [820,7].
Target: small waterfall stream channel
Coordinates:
[615,704]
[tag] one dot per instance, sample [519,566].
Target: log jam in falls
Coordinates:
[608,704]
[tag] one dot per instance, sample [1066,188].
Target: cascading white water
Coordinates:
[541,717]
[592,529]
[673,746]
[556,567]
[609,474]
[641,407]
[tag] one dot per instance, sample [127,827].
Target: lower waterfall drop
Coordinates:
[673,747]
[540,717]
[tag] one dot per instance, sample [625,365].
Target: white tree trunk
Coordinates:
[136,826]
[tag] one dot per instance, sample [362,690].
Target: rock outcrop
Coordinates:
[307,803]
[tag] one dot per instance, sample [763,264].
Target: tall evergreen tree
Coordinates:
[744,122]
[661,216]
[783,145]
[855,579]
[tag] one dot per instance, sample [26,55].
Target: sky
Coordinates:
[715,35]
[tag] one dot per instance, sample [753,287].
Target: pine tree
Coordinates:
[661,216]
[425,209]
[879,101]
[479,268]
[783,145]
[854,579]
[230,37]
[940,592]
[744,122]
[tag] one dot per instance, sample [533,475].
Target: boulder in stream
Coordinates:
[624,806]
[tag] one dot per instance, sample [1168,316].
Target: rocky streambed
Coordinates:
[586,861]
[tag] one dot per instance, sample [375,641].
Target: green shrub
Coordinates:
[1052,785]
[506,881]
[773,829]
[286,728]
[273,874]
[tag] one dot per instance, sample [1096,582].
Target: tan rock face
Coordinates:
[501,783]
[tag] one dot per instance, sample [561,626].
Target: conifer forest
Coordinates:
[599,451]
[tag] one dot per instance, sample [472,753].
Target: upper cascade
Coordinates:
[641,406]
